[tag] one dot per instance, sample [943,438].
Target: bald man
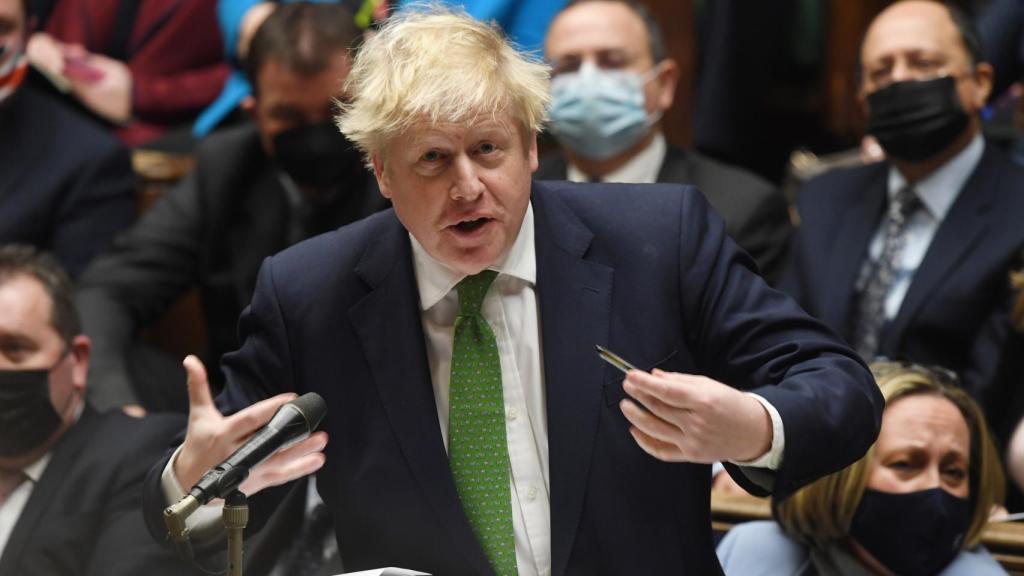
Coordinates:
[909,258]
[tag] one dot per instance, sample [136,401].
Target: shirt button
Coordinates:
[531,493]
[513,413]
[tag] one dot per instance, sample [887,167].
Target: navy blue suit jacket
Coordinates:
[955,312]
[66,186]
[649,273]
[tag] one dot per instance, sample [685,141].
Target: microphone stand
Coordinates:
[236,516]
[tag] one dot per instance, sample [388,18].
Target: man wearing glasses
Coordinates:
[908,258]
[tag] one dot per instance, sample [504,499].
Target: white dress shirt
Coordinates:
[640,169]
[16,501]
[937,192]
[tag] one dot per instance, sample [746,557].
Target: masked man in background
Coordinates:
[256,189]
[70,476]
[612,84]
[909,258]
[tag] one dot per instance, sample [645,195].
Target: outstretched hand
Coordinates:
[212,437]
[694,418]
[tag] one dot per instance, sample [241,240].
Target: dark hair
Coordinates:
[302,37]
[655,40]
[20,260]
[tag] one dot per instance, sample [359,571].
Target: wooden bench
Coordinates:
[1005,540]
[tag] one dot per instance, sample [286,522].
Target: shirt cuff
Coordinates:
[773,457]
[206,519]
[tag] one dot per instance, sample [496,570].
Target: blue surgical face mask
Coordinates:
[600,113]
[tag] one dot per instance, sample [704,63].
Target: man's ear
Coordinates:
[383,182]
[81,350]
[983,75]
[666,82]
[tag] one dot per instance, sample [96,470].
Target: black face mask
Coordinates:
[915,533]
[27,417]
[914,121]
[316,155]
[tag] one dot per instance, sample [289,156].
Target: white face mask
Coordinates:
[600,113]
[13,67]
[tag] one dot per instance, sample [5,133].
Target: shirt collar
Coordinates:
[435,280]
[34,471]
[940,189]
[640,169]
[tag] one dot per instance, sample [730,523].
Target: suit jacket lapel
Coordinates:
[402,376]
[65,453]
[574,297]
[962,228]
[853,234]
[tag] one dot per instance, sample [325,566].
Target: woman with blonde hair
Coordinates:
[916,503]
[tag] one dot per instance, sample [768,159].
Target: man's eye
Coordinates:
[431,156]
[487,148]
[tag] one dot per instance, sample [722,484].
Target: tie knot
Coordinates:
[905,202]
[472,290]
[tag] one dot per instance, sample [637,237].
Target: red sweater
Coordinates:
[175,55]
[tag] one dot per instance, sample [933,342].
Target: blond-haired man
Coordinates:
[473,428]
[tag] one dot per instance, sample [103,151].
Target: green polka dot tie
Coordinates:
[477,447]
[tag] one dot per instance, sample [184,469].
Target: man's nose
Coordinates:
[466,184]
[901,72]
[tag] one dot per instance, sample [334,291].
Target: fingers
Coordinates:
[302,459]
[134,410]
[672,389]
[649,424]
[247,421]
[199,397]
[656,448]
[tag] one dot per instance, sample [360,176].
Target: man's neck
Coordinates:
[598,169]
[917,171]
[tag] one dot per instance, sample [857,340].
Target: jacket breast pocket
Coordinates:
[613,392]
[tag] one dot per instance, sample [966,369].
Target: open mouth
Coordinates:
[471,225]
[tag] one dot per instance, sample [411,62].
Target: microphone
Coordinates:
[291,423]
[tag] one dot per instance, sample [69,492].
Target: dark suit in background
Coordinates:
[84,516]
[649,272]
[211,232]
[955,312]
[755,213]
[66,185]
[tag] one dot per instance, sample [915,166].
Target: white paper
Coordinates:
[385,572]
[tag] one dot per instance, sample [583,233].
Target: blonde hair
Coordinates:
[429,63]
[822,512]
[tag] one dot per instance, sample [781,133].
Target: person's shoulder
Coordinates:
[338,250]
[712,174]
[66,128]
[842,183]
[760,547]
[233,141]
[976,562]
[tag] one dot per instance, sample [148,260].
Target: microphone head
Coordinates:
[313,408]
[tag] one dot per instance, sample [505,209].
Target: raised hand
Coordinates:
[212,437]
